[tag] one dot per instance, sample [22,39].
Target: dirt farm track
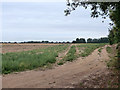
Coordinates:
[67,75]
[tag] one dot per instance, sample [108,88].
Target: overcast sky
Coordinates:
[25,21]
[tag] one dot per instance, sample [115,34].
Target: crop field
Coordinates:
[57,65]
[28,57]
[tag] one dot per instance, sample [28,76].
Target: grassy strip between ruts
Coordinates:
[88,48]
[28,60]
[71,55]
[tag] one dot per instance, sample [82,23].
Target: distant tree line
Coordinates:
[78,40]
[36,42]
[100,40]
[90,40]
[81,40]
[45,42]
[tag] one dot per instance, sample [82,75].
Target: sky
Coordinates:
[38,21]
[33,0]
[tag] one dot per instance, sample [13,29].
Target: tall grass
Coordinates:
[20,61]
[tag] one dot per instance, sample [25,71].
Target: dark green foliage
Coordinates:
[90,40]
[81,40]
[104,40]
[101,40]
[95,41]
[114,35]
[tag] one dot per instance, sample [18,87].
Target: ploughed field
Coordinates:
[22,57]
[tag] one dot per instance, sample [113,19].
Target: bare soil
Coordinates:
[65,76]
[22,47]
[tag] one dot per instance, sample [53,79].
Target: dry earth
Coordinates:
[65,76]
[22,47]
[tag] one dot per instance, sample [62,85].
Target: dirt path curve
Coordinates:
[64,76]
